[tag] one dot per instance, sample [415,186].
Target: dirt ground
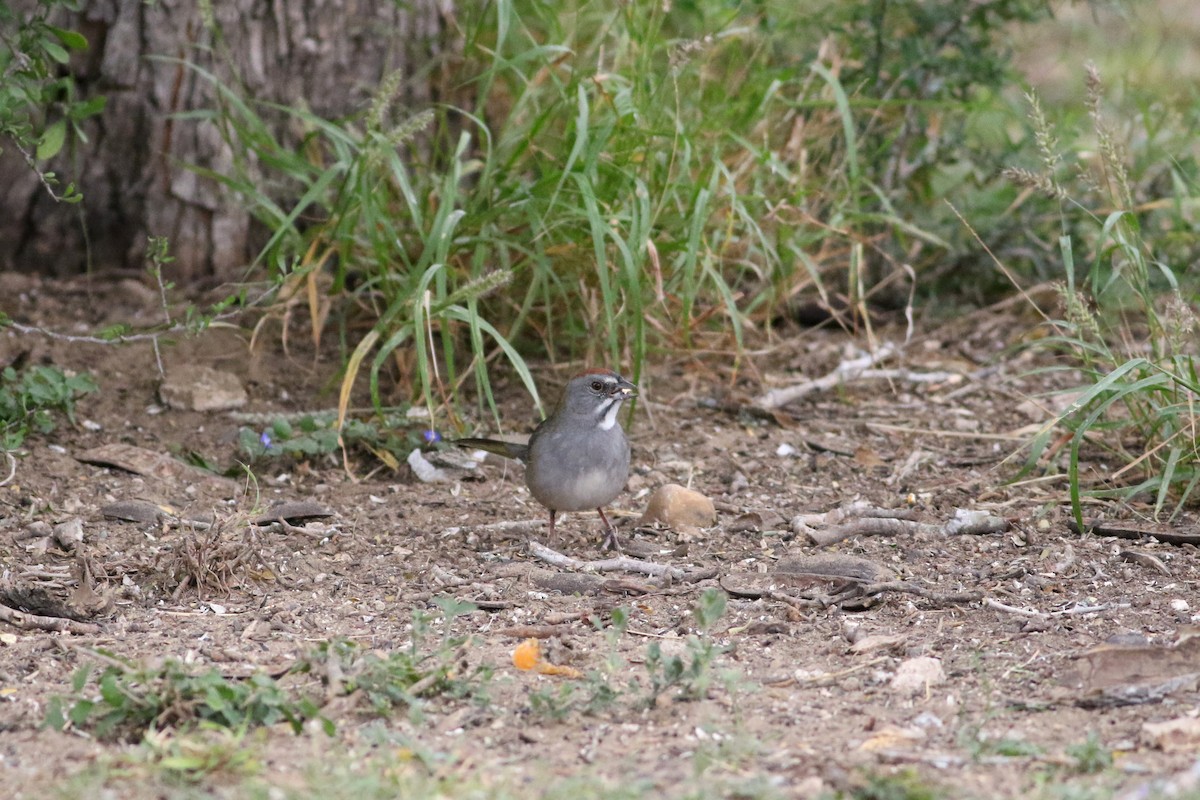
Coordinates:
[1027,633]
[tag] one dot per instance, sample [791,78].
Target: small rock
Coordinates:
[673,505]
[878,641]
[917,675]
[891,737]
[425,472]
[928,720]
[134,511]
[194,387]
[1178,735]
[69,534]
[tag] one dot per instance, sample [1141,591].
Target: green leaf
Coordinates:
[110,691]
[55,51]
[79,679]
[181,763]
[72,39]
[88,108]
[709,608]
[52,140]
[114,332]
[54,714]
[80,712]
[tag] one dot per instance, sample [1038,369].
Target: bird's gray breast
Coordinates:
[573,472]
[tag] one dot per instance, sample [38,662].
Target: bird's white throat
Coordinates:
[609,409]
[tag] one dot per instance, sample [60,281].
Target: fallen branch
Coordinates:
[872,526]
[868,521]
[798,603]
[1146,560]
[618,563]
[1101,528]
[855,369]
[534,631]
[19,619]
[904,587]
[1033,613]
[513,525]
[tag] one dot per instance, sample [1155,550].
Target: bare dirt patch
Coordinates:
[797,693]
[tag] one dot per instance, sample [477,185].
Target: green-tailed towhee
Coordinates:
[578,457]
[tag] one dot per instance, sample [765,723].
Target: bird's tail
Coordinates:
[520,452]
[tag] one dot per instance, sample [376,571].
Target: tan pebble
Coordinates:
[674,505]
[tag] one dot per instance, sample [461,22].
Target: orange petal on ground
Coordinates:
[527,655]
[546,668]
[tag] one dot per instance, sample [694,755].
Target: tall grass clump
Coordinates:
[1128,325]
[623,177]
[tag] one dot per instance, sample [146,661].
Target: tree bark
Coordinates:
[328,55]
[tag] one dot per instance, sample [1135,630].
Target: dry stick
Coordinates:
[798,603]
[953,598]
[1146,560]
[857,592]
[872,526]
[623,563]
[1034,613]
[855,510]
[977,523]
[1101,528]
[513,526]
[1007,609]
[20,619]
[843,372]
[857,369]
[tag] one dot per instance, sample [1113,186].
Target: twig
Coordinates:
[1035,614]
[619,563]
[822,679]
[12,467]
[131,337]
[1007,609]
[513,525]
[1145,559]
[648,634]
[1101,528]
[888,427]
[872,526]
[798,603]
[952,598]
[30,160]
[19,619]
[842,373]
[886,522]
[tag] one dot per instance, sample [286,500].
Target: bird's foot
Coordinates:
[610,534]
[610,541]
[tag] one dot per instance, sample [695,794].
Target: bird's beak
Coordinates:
[625,389]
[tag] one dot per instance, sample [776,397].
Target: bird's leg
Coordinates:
[610,539]
[552,513]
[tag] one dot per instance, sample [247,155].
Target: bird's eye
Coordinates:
[597,386]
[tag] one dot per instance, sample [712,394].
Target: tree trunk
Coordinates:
[328,55]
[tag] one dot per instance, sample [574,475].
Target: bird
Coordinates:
[578,457]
